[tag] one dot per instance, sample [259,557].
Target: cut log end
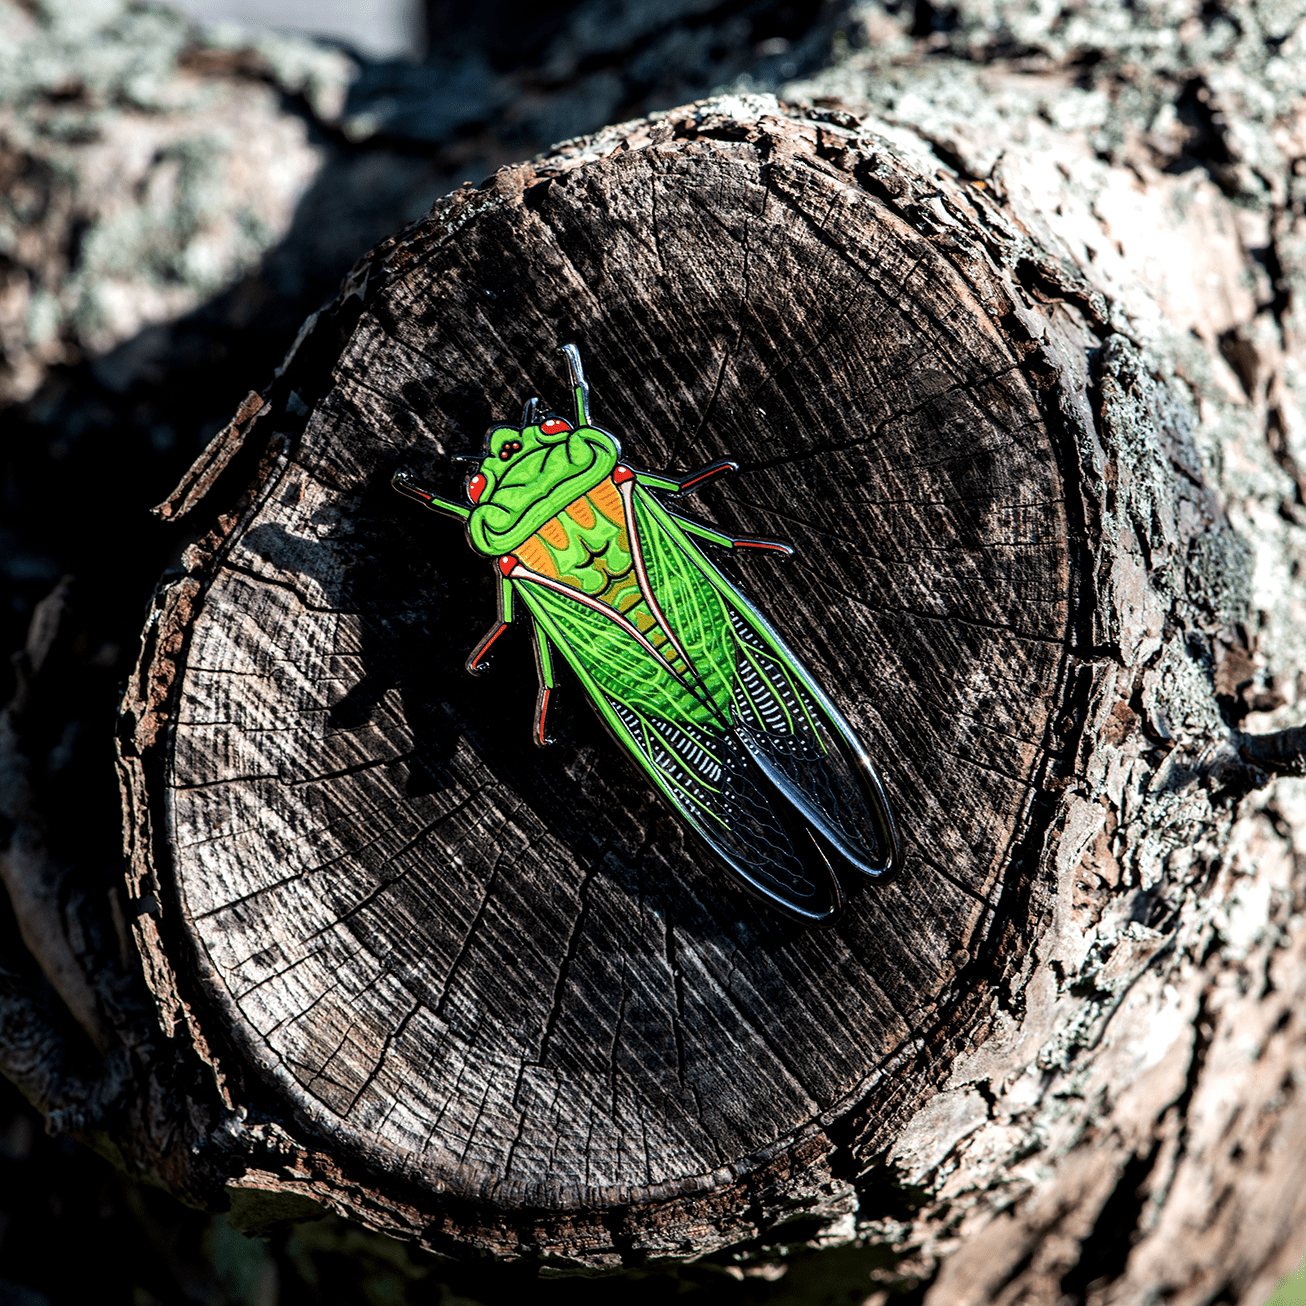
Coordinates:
[495,997]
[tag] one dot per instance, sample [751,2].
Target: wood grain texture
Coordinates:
[507,977]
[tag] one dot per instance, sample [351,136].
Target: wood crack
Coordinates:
[569,956]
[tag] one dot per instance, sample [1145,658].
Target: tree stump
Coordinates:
[496,999]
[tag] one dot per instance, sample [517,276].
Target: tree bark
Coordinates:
[1026,344]
[497,1001]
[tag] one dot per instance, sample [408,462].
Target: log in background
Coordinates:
[1234,331]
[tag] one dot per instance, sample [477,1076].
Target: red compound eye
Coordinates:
[554,426]
[476,488]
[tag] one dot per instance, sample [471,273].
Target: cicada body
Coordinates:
[687,675]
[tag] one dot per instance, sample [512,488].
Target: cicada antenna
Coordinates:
[530,413]
[579,386]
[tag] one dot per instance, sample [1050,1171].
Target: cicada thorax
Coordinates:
[587,547]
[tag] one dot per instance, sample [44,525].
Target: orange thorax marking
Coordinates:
[564,549]
[583,525]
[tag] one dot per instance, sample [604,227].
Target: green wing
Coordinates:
[680,735]
[747,749]
[797,736]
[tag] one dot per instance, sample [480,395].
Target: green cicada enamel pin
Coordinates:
[687,676]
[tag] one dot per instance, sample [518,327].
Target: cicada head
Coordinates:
[529,475]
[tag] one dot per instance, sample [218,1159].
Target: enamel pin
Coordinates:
[686,674]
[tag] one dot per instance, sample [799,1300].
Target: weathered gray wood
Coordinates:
[1133,1130]
[510,974]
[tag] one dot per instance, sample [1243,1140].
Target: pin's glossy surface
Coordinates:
[690,679]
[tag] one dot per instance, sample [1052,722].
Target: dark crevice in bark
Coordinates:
[1281,753]
[1105,1252]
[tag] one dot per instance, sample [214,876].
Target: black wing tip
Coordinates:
[887,832]
[815,862]
[861,871]
[892,868]
[785,907]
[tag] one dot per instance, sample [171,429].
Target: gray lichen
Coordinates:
[137,186]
